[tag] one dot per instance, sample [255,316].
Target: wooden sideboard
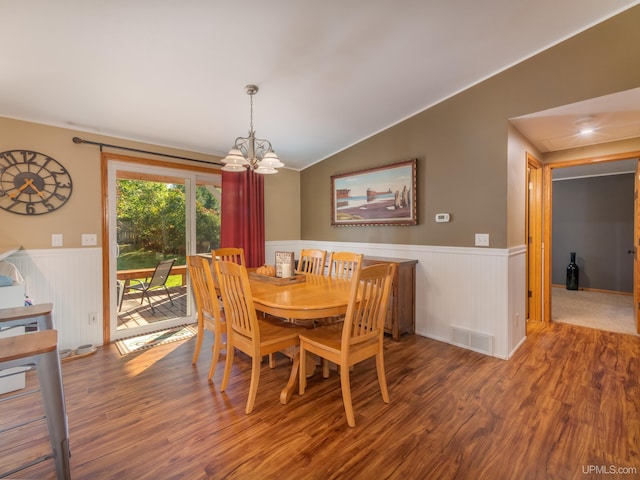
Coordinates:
[402,305]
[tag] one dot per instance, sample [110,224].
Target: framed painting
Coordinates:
[377,196]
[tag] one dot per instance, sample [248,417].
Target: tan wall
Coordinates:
[518,147]
[461,144]
[83,211]
[282,205]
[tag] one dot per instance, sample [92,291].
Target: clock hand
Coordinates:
[28,182]
[19,190]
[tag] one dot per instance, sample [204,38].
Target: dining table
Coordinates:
[317,297]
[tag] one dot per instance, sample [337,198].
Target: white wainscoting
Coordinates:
[71,279]
[477,289]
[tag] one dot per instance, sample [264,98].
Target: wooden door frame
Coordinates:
[547,233]
[636,245]
[533,237]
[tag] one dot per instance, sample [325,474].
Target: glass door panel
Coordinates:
[156,214]
[150,228]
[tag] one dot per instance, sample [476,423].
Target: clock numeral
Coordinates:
[63,171]
[31,209]
[2,193]
[63,185]
[60,197]
[9,158]
[50,207]
[29,157]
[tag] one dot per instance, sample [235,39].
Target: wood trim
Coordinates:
[546,229]
[160,163]
[636,246]
[592,160]
[548,202]
[533,236]
[106,290]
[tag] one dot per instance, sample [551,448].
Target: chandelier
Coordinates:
[251,152]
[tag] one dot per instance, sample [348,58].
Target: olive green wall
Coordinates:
[462,143]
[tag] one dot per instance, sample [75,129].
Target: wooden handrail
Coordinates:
[143,273]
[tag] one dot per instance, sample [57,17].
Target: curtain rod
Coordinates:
[79,140]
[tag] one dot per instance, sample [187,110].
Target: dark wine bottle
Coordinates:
[573,273]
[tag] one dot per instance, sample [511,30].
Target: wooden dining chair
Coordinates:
[312,261]
[344,264]
[235,255]
[210,316]
[229,254]
[245,331]
[359,337]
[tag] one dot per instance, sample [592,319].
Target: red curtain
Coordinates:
[243,214]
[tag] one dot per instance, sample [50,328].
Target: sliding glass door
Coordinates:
[157,216]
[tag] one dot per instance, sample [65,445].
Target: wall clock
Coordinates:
[32,183]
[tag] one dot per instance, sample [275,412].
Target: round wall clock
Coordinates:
[32,183]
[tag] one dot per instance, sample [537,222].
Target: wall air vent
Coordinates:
[476,341]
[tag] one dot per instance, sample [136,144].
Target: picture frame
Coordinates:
[383,195]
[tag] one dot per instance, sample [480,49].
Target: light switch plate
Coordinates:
[89,239]
[56,239]
[482,239]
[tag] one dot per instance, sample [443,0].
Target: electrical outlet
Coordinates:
[89,239]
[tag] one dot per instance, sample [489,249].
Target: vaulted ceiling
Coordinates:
[330,73]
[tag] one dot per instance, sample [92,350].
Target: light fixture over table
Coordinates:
[251,152]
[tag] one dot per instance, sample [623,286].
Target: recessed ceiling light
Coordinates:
[586,130]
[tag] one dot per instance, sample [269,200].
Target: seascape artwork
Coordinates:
[378,196]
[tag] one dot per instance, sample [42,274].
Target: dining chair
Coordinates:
[245,331]
[359,337]
[229,254]
[312,261]
[341,265]
[344,264]
[210,316]
[235,255]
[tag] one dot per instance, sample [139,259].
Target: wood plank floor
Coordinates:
[567,405]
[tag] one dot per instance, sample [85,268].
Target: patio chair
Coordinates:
[158,281]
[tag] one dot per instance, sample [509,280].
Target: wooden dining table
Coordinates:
[319,296]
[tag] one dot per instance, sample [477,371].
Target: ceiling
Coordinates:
[330,73]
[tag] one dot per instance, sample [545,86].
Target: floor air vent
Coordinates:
[476,341]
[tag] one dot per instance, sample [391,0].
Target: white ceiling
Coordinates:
[330,73]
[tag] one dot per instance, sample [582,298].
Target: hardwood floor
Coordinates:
[567,405]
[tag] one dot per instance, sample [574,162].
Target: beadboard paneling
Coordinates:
[71,279]
[477,289]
